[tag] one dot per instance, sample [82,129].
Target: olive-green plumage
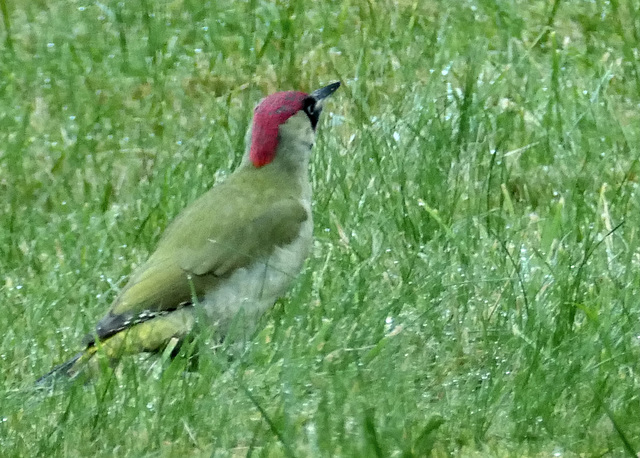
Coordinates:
[230,226]
[236,248]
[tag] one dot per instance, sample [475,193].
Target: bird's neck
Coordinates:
[289,176]
[289,167]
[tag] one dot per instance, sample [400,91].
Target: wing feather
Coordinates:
[207,242]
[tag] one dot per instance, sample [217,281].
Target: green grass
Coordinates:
[474,286]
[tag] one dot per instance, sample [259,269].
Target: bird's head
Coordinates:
[284,123]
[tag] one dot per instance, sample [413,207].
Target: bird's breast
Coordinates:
[255,288]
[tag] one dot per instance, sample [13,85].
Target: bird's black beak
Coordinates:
[313,104]
[324,92]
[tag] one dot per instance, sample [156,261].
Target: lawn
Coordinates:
[474,286]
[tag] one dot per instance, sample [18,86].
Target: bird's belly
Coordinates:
[252,290]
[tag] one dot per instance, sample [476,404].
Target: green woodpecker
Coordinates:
[233,252]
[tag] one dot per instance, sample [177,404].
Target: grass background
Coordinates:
[474,284]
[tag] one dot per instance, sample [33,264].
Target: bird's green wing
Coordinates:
[253,241]
[208,241]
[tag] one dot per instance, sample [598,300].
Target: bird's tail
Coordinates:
[153,335]
[61,370]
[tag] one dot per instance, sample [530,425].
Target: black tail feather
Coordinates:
[62,370]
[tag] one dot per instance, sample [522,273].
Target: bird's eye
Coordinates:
[312,110]
[309,108]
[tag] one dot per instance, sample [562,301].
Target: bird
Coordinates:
[230,254]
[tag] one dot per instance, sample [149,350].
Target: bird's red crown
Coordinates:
[272,111]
